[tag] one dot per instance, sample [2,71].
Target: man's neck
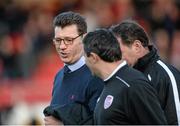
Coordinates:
[78,64]
[108,68]
[145,51]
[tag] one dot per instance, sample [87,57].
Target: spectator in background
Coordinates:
[74,82]
[162,42]
[127,97]
[143,57]
[9,58]
[175,60]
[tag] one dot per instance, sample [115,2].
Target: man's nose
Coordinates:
[62,45]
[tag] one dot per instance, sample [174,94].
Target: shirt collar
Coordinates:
[115,70]
[77,64]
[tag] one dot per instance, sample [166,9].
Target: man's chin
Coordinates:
[65,60]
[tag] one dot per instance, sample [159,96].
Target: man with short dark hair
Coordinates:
[75,90]
[127,97]
[164,78]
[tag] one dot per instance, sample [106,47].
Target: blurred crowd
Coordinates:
[26,28]
[26,32]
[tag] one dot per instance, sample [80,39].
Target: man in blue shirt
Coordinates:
[74,82]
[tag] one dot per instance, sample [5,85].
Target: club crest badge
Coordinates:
[108,101]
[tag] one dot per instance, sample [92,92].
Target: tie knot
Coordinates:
[66,69]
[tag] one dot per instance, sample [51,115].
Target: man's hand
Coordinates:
[50,120]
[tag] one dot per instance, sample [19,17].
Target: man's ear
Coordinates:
[83,35]
[94,58]
[137,46]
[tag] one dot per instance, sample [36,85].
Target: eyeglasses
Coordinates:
[66,40]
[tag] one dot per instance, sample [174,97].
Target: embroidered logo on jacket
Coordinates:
[108,101]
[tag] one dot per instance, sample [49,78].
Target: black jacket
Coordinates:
[166,80]
[128,99]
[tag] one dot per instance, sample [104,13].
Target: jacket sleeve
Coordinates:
[165,79]
[144,105]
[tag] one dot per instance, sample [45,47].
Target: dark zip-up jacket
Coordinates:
[166,80]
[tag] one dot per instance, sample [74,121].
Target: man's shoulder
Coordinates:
[60,72]
[95,79]
[85,69]
[161,68]
[162,73]
[131,77]
[130,73]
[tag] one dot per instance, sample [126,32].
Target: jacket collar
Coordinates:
[147,59]
[115,70]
